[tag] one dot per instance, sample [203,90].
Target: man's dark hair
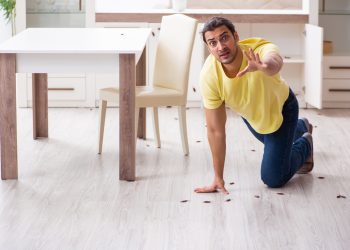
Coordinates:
[216,22]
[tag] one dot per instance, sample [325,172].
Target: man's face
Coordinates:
[222,44]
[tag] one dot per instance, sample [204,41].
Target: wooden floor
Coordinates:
[69,197]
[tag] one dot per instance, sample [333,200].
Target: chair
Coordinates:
[170,79]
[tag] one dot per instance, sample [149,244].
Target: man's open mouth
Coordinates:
[225,54]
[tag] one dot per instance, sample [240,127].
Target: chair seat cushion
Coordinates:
[151,96]
[147,96]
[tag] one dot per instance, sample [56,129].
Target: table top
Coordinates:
[78,41]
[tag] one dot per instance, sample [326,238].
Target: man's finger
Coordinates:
[252,54]
[247,55]
[258,58]
[201,189]
[205,190]
[224,190]
[241,73]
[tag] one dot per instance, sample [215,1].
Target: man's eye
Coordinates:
[212,44]
[224,38]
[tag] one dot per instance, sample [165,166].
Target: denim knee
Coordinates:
[273,181]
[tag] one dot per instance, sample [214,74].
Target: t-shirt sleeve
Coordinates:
[266,48]
[209,90]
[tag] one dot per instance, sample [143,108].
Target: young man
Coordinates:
[244,75]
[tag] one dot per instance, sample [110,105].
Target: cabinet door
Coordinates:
[313,65]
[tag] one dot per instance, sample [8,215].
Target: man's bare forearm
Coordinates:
[216,120]
[217,142]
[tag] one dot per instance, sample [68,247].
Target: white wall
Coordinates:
[5,28]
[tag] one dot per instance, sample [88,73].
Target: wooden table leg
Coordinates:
[127,143]
[141,81]
[40,105]
[8,122]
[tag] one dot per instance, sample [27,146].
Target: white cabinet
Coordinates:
[336,81]
[65,90]
[334,17]
[313,65]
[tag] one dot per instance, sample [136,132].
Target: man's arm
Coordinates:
[216,120]
[270,65]
[273,62]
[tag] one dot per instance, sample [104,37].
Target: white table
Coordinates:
[73,50]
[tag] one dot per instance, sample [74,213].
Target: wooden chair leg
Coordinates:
[103,106]
[156,126]
[183,128]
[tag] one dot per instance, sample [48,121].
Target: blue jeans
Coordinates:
[285,150]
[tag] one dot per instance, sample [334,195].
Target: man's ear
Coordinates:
[236,36]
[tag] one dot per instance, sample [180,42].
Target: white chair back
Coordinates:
[174,50]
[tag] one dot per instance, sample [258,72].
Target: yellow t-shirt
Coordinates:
[257,97]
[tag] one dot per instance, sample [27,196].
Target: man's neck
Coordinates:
[232,68]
